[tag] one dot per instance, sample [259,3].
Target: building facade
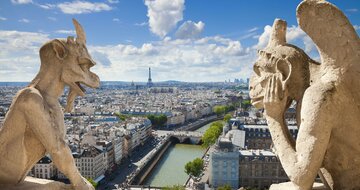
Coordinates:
[224,165]
[259,169]
[118,149]
[44,169]
[90,163]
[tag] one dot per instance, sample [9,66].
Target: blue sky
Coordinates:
[187,40]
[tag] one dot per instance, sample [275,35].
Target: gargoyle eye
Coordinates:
[257,69]
[85,61]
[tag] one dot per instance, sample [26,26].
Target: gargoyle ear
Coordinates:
[59,48]
[284,67]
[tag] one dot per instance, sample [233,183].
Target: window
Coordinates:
[225,163]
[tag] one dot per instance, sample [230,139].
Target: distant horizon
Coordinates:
[232,80]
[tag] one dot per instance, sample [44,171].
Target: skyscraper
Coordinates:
[149,83]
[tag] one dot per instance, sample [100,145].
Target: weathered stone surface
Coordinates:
[290,186]
[31,183]
[327,97]
[34,124]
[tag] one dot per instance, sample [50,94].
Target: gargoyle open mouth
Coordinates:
[257,101]
[81,88]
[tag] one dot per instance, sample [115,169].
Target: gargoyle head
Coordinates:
[73,61]
[287,63]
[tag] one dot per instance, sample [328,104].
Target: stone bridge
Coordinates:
[190,137]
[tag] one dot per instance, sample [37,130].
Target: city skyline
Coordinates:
[180,40]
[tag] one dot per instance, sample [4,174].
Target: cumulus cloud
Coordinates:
[190,29]
[294,34]
[213,58]
[101,58]
[21,1]
[356,27]
[116,20]
[3,18]
[164,15]
[264,38]
[19,59]
[82,7]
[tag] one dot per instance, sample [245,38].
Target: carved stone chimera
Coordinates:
[34,124]
[328,101]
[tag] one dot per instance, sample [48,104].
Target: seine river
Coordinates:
[170,169]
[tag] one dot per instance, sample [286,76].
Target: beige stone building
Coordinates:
[260,169]
[44,169]
[90,163]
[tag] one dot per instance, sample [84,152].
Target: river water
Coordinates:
[169,170]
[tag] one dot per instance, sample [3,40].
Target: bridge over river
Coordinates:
[183,136]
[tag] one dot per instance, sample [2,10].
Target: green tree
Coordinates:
[151,117]
[93,183]
[219,110]
[195,167]
[245,104]
[211,134]
[225,187]
[229,108]
[120,116]
[174,187]
[157,120]
[162,119]
[227,118]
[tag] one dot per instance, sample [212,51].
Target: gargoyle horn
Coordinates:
[80,33]
[278,35]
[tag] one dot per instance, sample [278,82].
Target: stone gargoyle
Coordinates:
[34,125]
[328,102]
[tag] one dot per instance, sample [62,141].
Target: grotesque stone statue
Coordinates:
[329,120]
[34,124]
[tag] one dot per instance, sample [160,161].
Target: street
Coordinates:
[128,165]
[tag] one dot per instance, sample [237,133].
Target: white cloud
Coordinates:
[113,1]
[253,29]
[82,7]
[190,29]
[16,41]
[206,59]
[294,35]
[3,18]
[141,24]
[116,20]
[264,38]
[19,60]
[211,58]
[356,27]
[24,20]
[164,15]
[71,32]
[21,1]
[47,6]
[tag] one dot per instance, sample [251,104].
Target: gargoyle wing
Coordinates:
[333,34]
